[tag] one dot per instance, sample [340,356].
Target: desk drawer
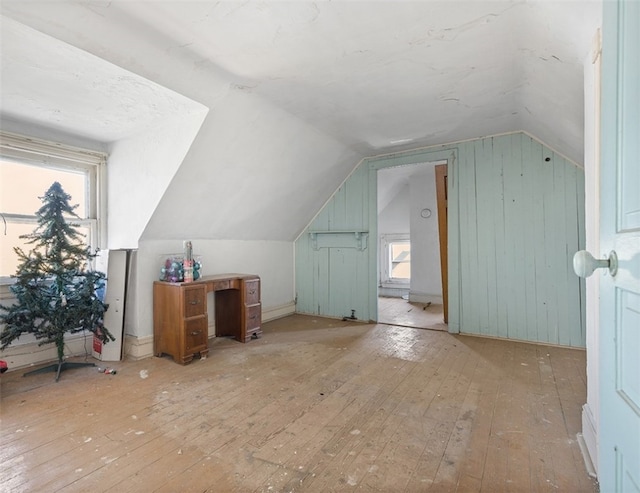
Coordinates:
[195,334]
[195,301]
[252,292]
[253,321]
[253,316]
[220,285]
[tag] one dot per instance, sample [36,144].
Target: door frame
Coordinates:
[389,161]
[590,410]
[442,196]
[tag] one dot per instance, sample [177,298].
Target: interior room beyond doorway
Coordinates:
[410,283]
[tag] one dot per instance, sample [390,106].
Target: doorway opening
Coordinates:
[410,291]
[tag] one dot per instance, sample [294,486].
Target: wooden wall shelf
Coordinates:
[339,239]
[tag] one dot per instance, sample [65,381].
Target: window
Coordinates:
[395,268]
[28,167]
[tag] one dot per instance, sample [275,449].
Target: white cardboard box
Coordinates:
[116,264]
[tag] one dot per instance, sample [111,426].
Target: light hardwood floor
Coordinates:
[398,311]
[315,405]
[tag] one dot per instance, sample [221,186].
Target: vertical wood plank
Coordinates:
[491,247]
[322,280]
[303,274]
[557,255]
[470,231]
[339,209]
[501,301]
[516,222]
[574,223]
[537,164]
[531,203]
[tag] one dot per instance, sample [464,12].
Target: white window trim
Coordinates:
[385,280]
[55,155]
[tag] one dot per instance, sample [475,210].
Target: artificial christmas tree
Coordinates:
[55,288]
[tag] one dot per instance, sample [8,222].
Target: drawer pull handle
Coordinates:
[196,332]
[194,302]
[253,291]
[253,317]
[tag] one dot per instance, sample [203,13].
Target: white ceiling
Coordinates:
[49,83]
[378,76]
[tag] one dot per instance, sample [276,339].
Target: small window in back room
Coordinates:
[396,260]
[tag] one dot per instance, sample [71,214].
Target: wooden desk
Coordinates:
[180,320]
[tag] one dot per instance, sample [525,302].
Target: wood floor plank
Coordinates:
[481,399]
[494,477]
[371,434]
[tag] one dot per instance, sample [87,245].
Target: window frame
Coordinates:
[386,240]
[54,155]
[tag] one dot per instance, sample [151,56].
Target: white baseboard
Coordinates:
[136,348]
[392,292]
[588,441]
[278,311]
[425,298]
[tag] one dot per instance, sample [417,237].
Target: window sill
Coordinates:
[397,285]
[5,288]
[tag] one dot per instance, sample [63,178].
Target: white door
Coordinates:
[619,436]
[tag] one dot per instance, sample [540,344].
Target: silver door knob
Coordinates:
[584,264]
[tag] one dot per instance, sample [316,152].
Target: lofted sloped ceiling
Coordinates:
[343,79]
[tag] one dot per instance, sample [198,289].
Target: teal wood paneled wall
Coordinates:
[521,219]
[333,280]
[515,221]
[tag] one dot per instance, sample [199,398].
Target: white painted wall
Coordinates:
[251,165]
[271,260]
[394,218]
[139,170]
[426,283]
